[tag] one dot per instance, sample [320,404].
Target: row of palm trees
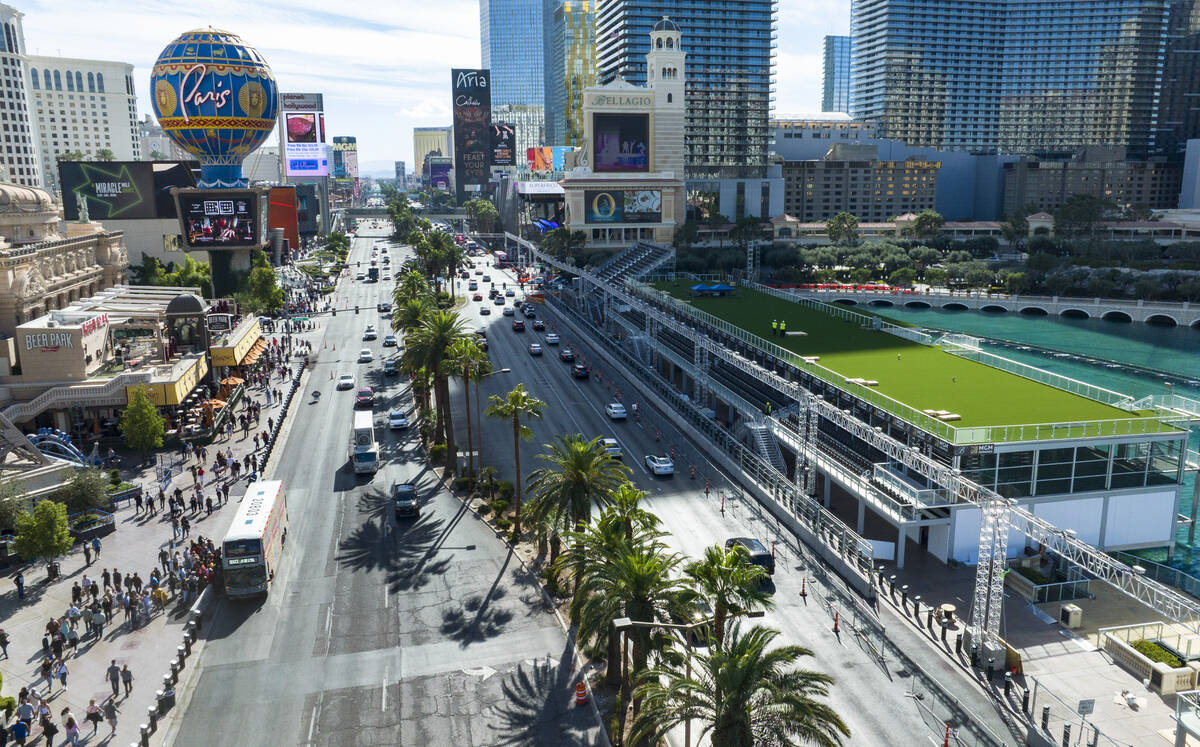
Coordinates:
[743,690]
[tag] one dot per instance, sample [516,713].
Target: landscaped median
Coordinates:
[1154,652]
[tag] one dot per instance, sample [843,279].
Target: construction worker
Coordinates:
[783,329]
[768,407]
[774,327]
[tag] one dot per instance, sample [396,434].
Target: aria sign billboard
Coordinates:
[471,105]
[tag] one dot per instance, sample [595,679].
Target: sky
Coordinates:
[382,65]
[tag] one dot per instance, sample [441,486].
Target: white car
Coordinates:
[616,411]
[397,420]
[552,338]
[345,381]
[365,355]
[369,334]
[611,447]
[660,465]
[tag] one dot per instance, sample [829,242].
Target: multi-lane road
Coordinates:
[427,632]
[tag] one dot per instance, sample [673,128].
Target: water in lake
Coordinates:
[1133,358]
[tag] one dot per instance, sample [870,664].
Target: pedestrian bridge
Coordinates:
[1117,310]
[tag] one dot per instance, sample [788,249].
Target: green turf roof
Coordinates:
[920,376]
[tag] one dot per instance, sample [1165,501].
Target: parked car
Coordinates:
[759,554]
[660,465]
[397,420]
[404,500]
[615,410]
[345,381]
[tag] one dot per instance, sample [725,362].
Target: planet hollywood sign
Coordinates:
[93,324]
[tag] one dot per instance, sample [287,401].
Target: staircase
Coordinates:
[765,445]
[110,392]
[638,260]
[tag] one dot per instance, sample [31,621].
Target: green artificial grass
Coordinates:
[920,376]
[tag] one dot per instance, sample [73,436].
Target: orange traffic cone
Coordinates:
[580,694]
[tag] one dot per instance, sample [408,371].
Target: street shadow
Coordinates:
[476,620]
[228,615]
[537,706]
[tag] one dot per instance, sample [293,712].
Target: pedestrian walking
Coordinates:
[87,554]
[49,729]
[127,679]
[164,559]
[137,504]
[4,642]
[107,578]
[208,505]
[116,577]
[20,582]
[61,672]
[110,714]
[113,675]
[96,547]
[98,620]
[186,526]
[19,732]
[174,527]
[93,715]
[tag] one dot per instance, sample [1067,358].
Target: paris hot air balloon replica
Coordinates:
[216,97]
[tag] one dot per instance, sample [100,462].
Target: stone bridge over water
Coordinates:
[1153,312]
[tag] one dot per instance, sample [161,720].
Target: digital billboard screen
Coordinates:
[220,218]
[170,175]
[540,159]
[622,142]
[642,205]
[304,134]
[345,157]
[439,176]
[503,143]
[471,106]
[603,206]
[123,190]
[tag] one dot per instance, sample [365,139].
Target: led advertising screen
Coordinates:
[560,154]
[540,159]
[642,205]
[503,144]
[220,218]
[345,157]
[439,175]
[622,142]
[471,106]
[304,134]
[123,190]
[603,206]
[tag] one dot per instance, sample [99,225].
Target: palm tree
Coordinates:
[625,509]
[745,694]
[468,361]
[428,344]
[409,313]
[487,474]
[410,285]
[516,406]
[730,582]
[579,474]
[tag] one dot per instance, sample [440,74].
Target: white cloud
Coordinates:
[383,65]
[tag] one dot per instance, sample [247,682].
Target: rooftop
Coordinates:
[922,377]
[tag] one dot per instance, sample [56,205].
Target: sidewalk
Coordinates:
[133,547]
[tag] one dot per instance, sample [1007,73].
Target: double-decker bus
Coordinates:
[250,552]
[364,454]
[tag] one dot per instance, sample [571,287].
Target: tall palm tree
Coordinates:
[468,361]
[730,582]
[578,475]
[409,313]
[428,344]
[745,694]
[516,406]
[625,509]
[410,285]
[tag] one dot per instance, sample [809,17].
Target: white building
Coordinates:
[19,157]
[158,145]
[82,105]
[263,165]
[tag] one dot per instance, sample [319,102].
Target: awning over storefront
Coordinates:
[255,353]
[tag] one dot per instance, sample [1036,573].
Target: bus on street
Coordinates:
[250,552]
[364,453]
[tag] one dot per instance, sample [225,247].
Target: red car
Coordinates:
[365,397]
[477,297]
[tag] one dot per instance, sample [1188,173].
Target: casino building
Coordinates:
[627,180]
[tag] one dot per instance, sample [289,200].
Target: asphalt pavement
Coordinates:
[376,631]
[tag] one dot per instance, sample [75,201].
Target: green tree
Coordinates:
[468,362]
[746,231]
[193,274]
[482,213]
[428,346]
[70,155]
[935,276]
[157,155]
[43,533]
[149,272]
[903,277]
[88,488]
[860,275]
[105,154]
[979,275]
[1080,214]
[928,224]
[730,583]
[262,291]
[564,243]
[1016,283]
[685,235]
[12,502]
[516,406]
[141,424]
[745,692]
[579,474]
[842,229]
[1147,287]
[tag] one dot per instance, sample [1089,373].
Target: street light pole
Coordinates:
[479,416]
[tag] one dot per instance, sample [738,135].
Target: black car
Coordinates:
[567,355]
[580,371]
[539,325]
[404,500]
[759,554]
[518,325]
[390,368]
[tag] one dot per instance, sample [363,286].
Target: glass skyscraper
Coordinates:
[512,46]
[570,67]
[1024,75]
[730,61]
[835,91]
